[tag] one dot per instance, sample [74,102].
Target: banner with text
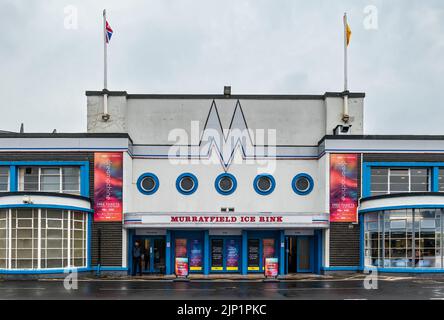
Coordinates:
[343,188]
[108,183]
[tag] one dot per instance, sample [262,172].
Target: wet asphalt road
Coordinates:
[391,289]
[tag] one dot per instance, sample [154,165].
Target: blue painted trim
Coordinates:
[244,252]
[83,165]
[47,271]
[84,180]
[43,163]
[282,253]
[340,268]
[361,240]
[220,177]
[168,262]
[406,270]
[405,164]
[131,233]
[207,252]
[89,241]
[139,184]
[272,187]
[319,254]
[13,179]
[111,268]
[47,206]
[309,190]
[192,177]
[418,206]
[366,169]
[366,180]
[435,179]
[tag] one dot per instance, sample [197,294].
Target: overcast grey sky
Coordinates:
[198,46]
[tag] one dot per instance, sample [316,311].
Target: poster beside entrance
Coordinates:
[196,255]
[271,267]
[108,182]
[217,259]
[253,255]
[343,187]
[181,268]
[232,247]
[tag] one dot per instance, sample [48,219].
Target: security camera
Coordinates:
[27,200]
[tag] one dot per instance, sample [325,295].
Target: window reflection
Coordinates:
[404,238]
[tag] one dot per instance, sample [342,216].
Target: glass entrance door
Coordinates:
[304,254]
[225,254]
[299,254]
[153,249]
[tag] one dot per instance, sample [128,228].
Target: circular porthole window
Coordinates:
[186,183]
[148,183]
[302,184]
[264,184]
[226,184]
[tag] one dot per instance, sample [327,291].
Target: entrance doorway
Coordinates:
[300,256]
[225,254]
[153,249]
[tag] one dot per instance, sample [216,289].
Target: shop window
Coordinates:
[4,179]
[441,180]
[42,239]
[3,239]
[399,180]
[48,179]
[404,238]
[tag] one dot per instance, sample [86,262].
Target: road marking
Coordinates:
[154,289]
[304,289]
[21,288]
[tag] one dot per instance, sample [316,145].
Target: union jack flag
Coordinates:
[108,32]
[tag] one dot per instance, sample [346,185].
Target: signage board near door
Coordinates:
[225,254]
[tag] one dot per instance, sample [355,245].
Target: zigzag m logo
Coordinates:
[258,146]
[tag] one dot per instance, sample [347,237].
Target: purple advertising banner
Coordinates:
[232,255]
[108,183]
[343,187]
[196,255]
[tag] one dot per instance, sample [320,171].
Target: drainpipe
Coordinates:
[99,253]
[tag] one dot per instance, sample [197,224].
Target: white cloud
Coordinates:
[197,46]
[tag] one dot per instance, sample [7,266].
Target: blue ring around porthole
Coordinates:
[310,180]
[223,192]
[192,177]
[269,191]
[148,192]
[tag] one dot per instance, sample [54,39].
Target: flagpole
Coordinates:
[105,53]
[105,115]
[345,116]
[345,54]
